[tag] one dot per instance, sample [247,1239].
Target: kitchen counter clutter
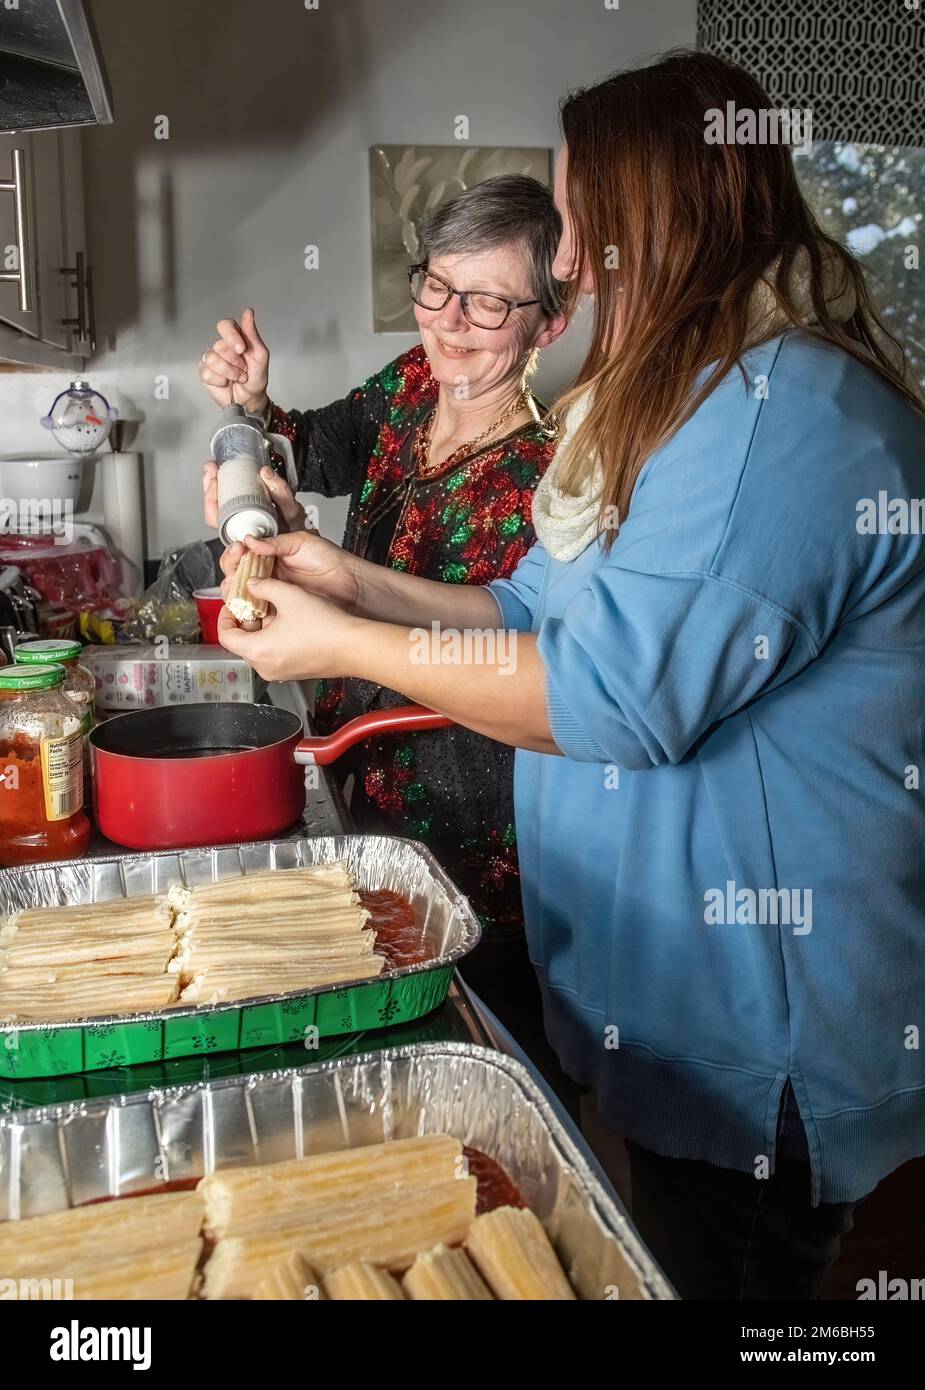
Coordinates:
[322,1074]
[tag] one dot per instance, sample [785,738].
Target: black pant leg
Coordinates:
[722,1234]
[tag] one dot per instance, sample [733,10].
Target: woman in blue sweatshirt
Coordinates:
[717,695]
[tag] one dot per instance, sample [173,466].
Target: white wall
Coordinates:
[272,108]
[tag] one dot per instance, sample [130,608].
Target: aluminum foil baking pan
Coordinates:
[63,1155]
[448,925]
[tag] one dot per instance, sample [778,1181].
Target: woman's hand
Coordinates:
[291,512]
[238,358]
[308,561]
[303,636]
[365,590]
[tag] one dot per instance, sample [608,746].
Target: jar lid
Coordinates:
[46,649]
[31,677]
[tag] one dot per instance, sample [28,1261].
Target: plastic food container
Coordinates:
[41,768]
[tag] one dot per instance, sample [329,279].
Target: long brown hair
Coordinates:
[695,226]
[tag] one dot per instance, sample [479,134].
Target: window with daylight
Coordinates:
[872,198]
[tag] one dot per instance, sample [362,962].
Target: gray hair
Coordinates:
[511,209]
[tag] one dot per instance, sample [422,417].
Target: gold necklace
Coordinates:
[421,445]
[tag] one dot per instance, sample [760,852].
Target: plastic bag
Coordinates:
[79,575]
[166,608]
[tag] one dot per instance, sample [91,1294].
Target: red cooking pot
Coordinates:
[216,774]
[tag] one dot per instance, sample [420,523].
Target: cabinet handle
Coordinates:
[91,309]
[79,323]
[23,276]
[84,324]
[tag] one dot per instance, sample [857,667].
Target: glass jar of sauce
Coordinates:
[79,684]
[41,768]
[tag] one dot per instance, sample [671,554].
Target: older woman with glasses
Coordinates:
[440,453]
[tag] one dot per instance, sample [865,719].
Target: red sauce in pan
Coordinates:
[399,938]
[494,1187]
[175,1185]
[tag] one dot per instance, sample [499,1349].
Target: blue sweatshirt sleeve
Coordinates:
[740,559]
[517,597]
[641,665]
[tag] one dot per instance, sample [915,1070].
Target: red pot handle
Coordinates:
[404,719]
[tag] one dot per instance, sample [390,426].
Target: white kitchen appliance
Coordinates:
[38,490]
[41,491]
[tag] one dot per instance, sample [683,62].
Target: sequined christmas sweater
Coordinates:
[468,525]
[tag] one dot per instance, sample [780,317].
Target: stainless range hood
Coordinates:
[51,73]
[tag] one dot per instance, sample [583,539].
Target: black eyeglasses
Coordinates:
[481,309]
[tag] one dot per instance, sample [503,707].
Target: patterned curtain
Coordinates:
[858,64]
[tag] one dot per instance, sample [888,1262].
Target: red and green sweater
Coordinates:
[471,524]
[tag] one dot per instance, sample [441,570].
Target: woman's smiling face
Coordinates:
[485,357]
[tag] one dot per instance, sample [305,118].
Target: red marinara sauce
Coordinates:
[399,938]
[494,1187]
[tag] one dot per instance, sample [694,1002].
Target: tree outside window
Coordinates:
[872,199]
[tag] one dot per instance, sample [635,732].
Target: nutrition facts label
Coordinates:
[62,776]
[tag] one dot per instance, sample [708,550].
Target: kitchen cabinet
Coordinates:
[48,319]
[18,301]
